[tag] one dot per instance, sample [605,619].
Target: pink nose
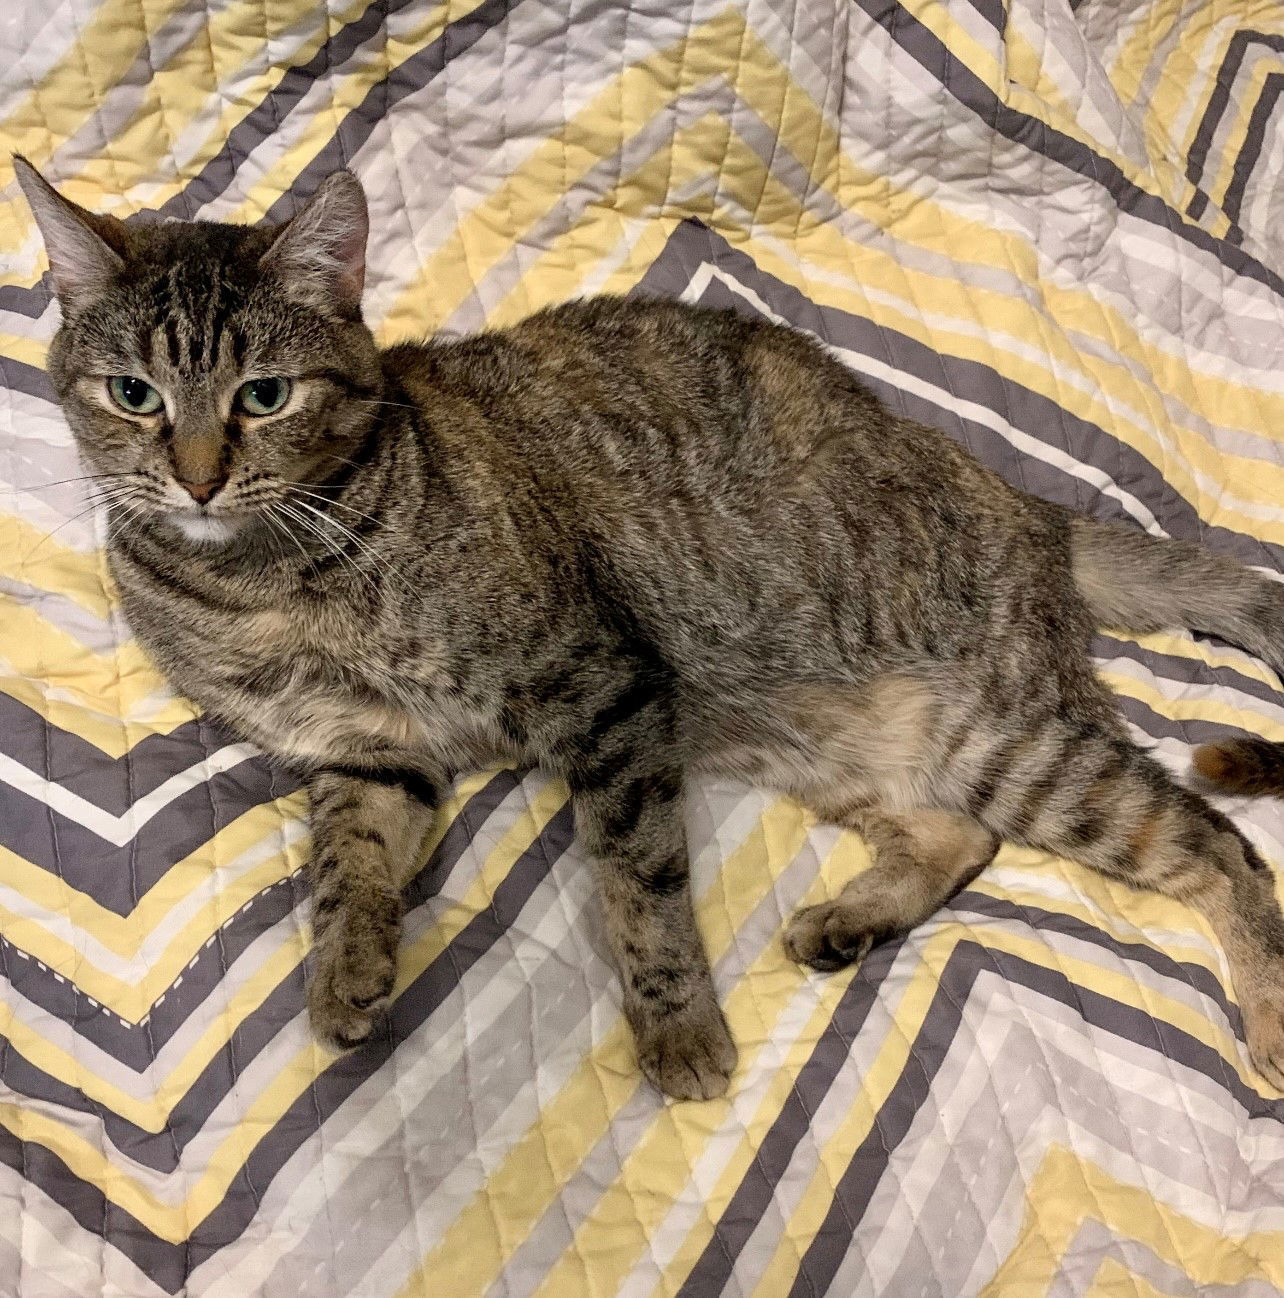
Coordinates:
[201,492]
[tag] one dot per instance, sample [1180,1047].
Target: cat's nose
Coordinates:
[202,492]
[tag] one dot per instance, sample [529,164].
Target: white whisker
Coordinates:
[130,516]
[397,405]
[271,514]
[385,569]
[312,529]
[62,482]
[301,489]
[67,522]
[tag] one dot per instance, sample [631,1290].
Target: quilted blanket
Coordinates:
[1051,230]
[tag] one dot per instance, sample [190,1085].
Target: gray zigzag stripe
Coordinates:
[116,877]
[1187,671]
[1096,1241]
[1251,150]
[126,96]
[852,1193]
[224,1223]
[1157,726]
[18,376]
[1031,133]
[112,783]
[136,1048]
[356,127]
[753,1197]
[817,1075]
[1223,91]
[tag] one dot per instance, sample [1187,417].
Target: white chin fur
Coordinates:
[204,528]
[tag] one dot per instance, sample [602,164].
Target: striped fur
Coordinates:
[622,540]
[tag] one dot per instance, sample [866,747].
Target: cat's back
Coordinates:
[648,393]
[715,374]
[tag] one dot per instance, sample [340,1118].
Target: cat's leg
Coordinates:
[867,758]
[1097,799]
[627,791]
[921,860]
[367,828]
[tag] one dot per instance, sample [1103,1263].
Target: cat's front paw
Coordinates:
[827,937]
[348,990]
[688,1054]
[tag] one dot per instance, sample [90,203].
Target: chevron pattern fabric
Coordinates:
[1048,229]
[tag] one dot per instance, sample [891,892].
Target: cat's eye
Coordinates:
[262,396]
[134,395]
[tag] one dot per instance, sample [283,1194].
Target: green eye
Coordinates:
[134,395]
[263,396]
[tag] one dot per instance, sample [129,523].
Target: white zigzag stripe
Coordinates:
[118,830]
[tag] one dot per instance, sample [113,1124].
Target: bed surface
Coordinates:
[1053,232]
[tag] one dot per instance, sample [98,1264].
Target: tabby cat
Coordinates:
[625,541]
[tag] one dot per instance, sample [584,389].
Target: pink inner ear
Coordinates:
[352,258]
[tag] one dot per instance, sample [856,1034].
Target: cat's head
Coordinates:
[203,367]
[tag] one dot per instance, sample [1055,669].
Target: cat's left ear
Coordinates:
[84,249]
[320,254]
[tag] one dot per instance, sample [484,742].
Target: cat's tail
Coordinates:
[1250,766]
[1133,581]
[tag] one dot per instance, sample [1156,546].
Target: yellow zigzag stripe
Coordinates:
[150,1112]
[30,351]
[1125,914]
[174,96]
[1069,1190]
[36,557]
[1233,128]
[347,95]
[1249,482]
[125,935]
[39,650]
[1184,646]
[880,1077]
[1195,709]
[1134,56]
[1202,30]
[112,735]
[102,182]
[1110,904]
[1008,320]
[470,1255]
[1035,91]
[104,50]
[1113,1279]
[476,246]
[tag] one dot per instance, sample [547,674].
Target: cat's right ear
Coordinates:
[81,261]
